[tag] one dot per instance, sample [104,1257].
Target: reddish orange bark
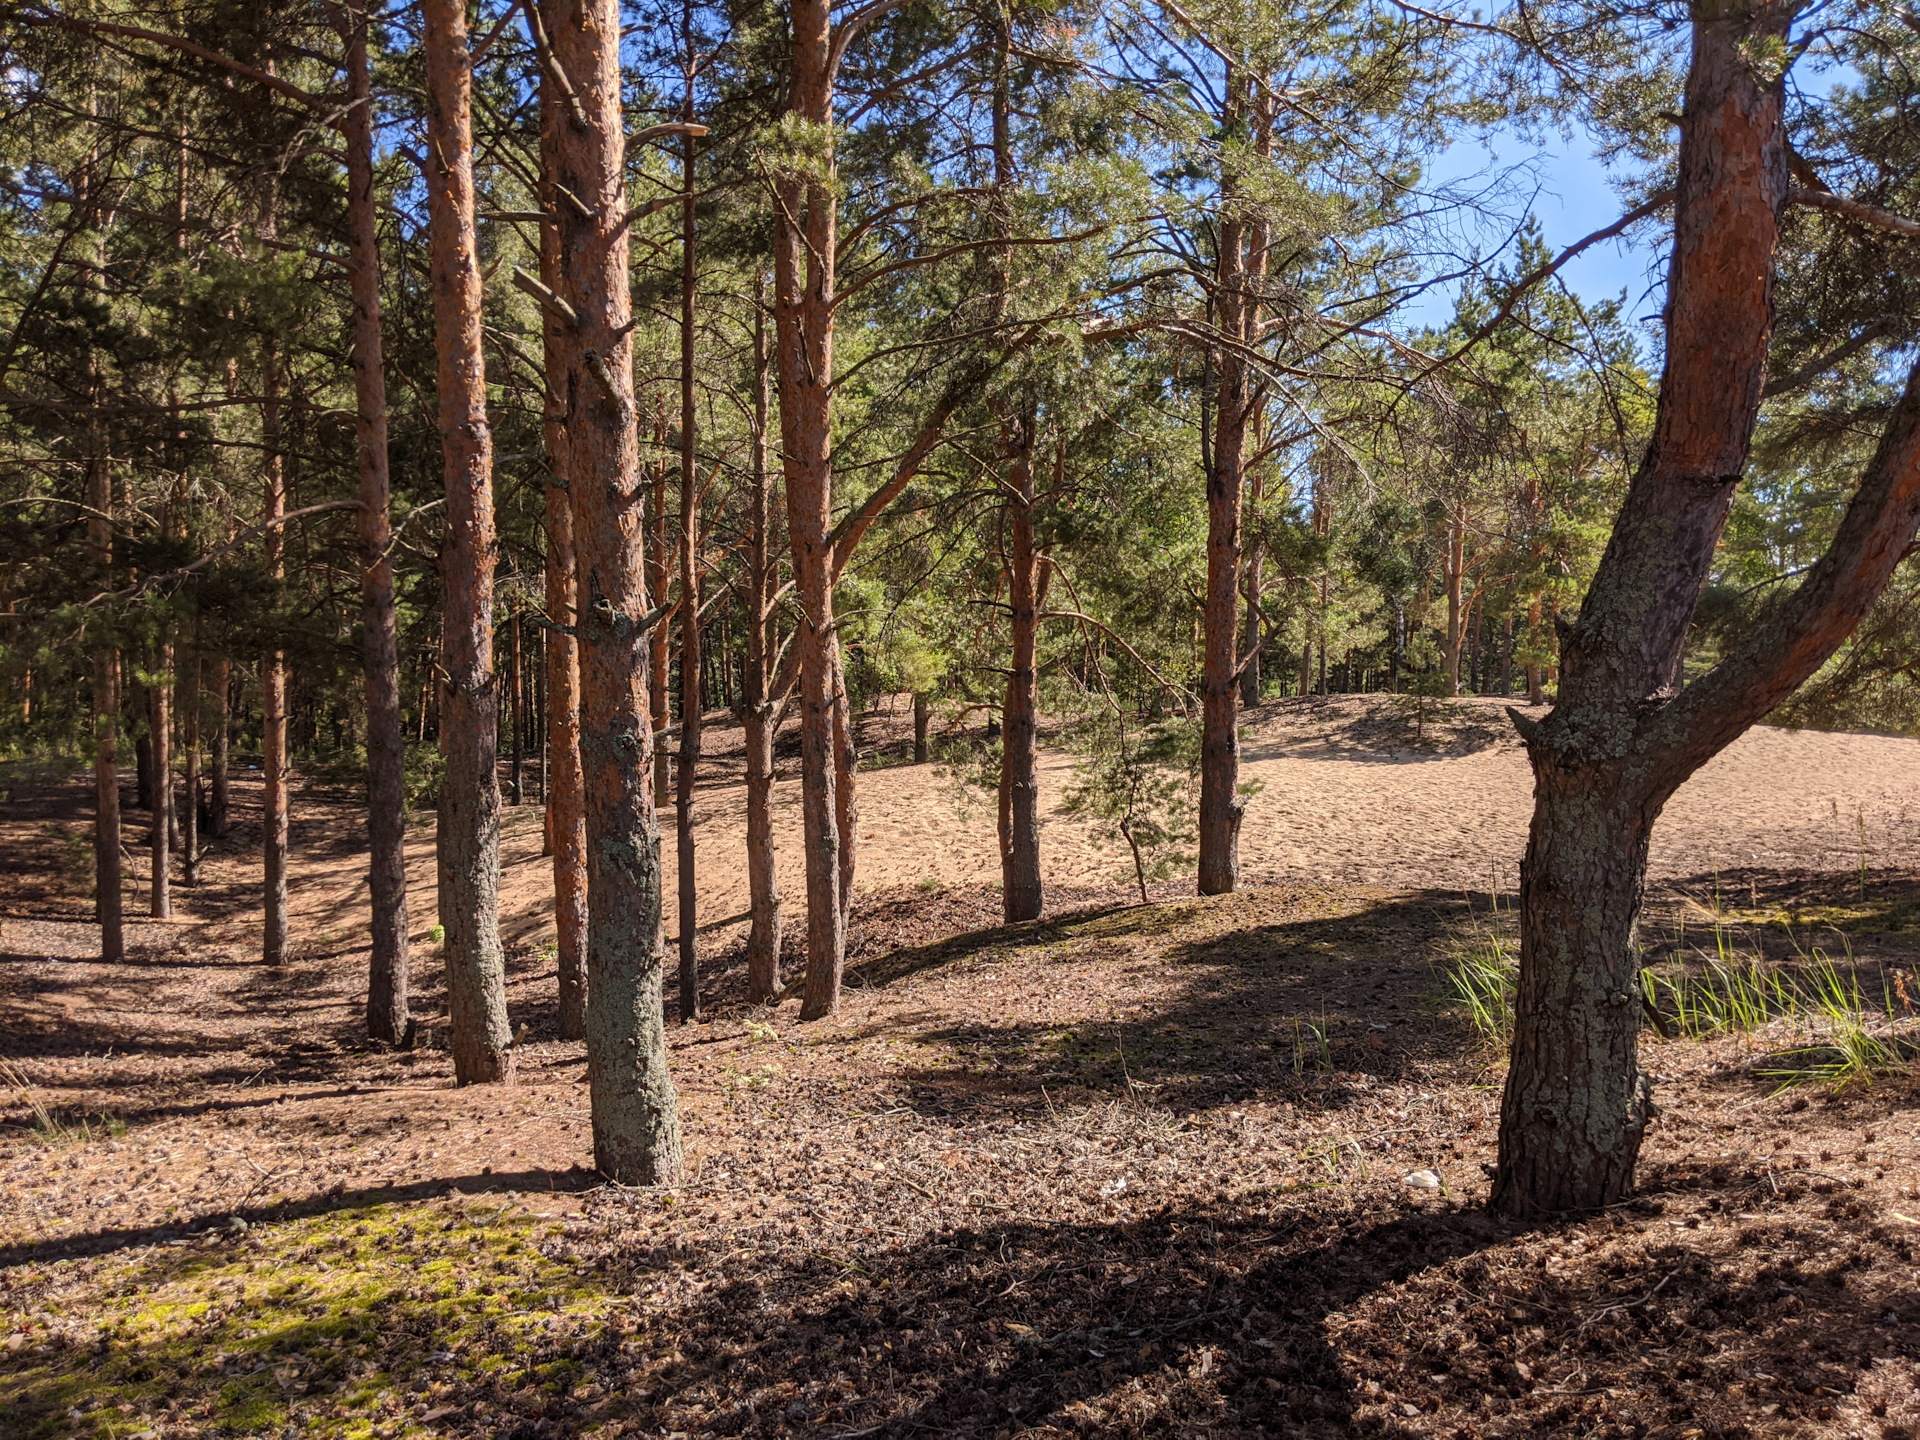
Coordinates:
[469,722]
[566,798]
[1624,734]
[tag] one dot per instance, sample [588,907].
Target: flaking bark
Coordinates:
[469,723]
[1623,736]
[636,1116]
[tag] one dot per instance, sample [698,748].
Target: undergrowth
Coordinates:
[1836,1032]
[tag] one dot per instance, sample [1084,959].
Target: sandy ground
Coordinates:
[1363,789]
[1140,1170]
[1354,789]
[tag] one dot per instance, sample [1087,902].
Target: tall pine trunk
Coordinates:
[1252,639]
[388,968]
[660,644]
[1625,733]
[690,656]
[1021,893]
[566,798]
[190,708]
[106,711]
[1454,568]
[758,709]
[469,730]
[273,684]
[1240,264]
[636,1114]
[219,795]
[516,710]
[160,702]
[804,252]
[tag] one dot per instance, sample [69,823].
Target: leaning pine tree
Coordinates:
[1626,732]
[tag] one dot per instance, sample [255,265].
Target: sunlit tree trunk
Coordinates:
[660,643]
[1458,603]
[1625,731]
[636,1114]
[515,710]
[1252,639]
[469,730]
[160,708]
[690,656]
[804,254]
[273,682]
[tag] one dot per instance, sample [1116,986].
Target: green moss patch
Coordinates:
[377,1322]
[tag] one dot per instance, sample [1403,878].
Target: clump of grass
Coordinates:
[1733,992]
[1852,1041]
[1311,1048]
[1841,1035]
[1481,980]
[49,1125]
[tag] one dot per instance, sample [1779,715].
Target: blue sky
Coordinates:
[1573,195]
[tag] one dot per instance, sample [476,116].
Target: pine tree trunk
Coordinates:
[1624,734]
[388,968]
[190,707]
[470,730]
[1252,640]
[763,881]
[273,687]
[1021,895]
[922,718]
[1244,234]
[516,710]
[160,699]
[636,1114]
[1535,694]
[846,799]
[691,659]
[142,720]
[660,644]
[219,798]
[1455,566]
[106,714]
[566,797]
[1221,805]
[804,291]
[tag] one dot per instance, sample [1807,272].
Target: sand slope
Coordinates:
[1361,788]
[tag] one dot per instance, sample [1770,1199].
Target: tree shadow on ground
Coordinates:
[1384,729]
[1294,993]
[525,1187]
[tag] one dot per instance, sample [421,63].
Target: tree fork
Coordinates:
[1623,735]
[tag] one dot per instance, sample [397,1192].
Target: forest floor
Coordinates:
[1126,1170]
